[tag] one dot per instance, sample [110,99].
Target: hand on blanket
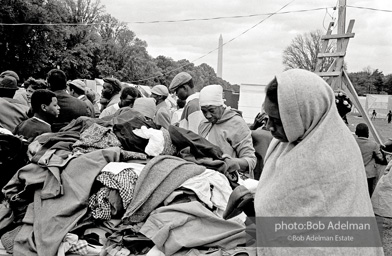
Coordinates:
[232,165]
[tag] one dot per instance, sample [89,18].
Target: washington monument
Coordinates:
[220,55]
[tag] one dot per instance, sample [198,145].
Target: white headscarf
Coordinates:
[319,171]
[211,95]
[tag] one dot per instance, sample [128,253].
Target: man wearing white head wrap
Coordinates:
[313,166]
[226,128]
[163,115]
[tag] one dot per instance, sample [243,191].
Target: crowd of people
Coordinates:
[124,173]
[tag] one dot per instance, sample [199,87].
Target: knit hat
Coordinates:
[145,106]
[8,82]
[179,80]
[114,82]
[10,73]
[211,95]
[160,90]
[78,84]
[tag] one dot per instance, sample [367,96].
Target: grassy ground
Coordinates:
[384,130]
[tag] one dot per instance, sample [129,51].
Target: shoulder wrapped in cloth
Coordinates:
[319,171]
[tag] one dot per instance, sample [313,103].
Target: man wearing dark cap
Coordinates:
[70,107]
[182,85]
[371,154]
[77,89]
[10,73]
[110,92]
[12,112]
[20,94]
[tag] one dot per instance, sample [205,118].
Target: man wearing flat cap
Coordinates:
[77,89]
[12,112]
[110,92]
[163,115]
[70,107]
[182,85]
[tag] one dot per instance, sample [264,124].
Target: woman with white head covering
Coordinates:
[226,128]
[313,166]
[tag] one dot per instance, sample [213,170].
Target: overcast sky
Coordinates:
[256,56]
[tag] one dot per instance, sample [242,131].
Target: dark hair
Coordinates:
[271,91]
[180,103]
[129,90]
[362,130]
[39,97]
[35,83]
[7,93]
[115,84]
[57,80]
[76,89]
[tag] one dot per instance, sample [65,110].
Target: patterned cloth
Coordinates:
[168,147]
[130,155]
[116,250]
[96,137]
[81,247]
[124,182]
[8,239]
[99,204]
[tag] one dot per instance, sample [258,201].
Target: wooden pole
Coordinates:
[341,23]
[336,73]
[358,105]
[337,82]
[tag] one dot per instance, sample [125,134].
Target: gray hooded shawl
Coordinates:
[319,171]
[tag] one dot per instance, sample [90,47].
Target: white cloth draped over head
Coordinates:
[211,95]
[319,171]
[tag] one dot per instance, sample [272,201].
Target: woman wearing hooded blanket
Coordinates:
[225,128]
[313,166]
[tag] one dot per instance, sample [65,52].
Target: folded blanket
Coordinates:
[159,178]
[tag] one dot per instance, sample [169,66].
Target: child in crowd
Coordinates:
[45,110]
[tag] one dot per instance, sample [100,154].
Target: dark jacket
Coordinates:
[371,155]
[70,108]
[90,106]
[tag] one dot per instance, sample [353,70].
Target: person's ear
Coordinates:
[43,107]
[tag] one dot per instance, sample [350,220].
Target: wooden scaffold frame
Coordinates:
[336,76]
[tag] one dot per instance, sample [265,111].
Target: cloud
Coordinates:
[256,56]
